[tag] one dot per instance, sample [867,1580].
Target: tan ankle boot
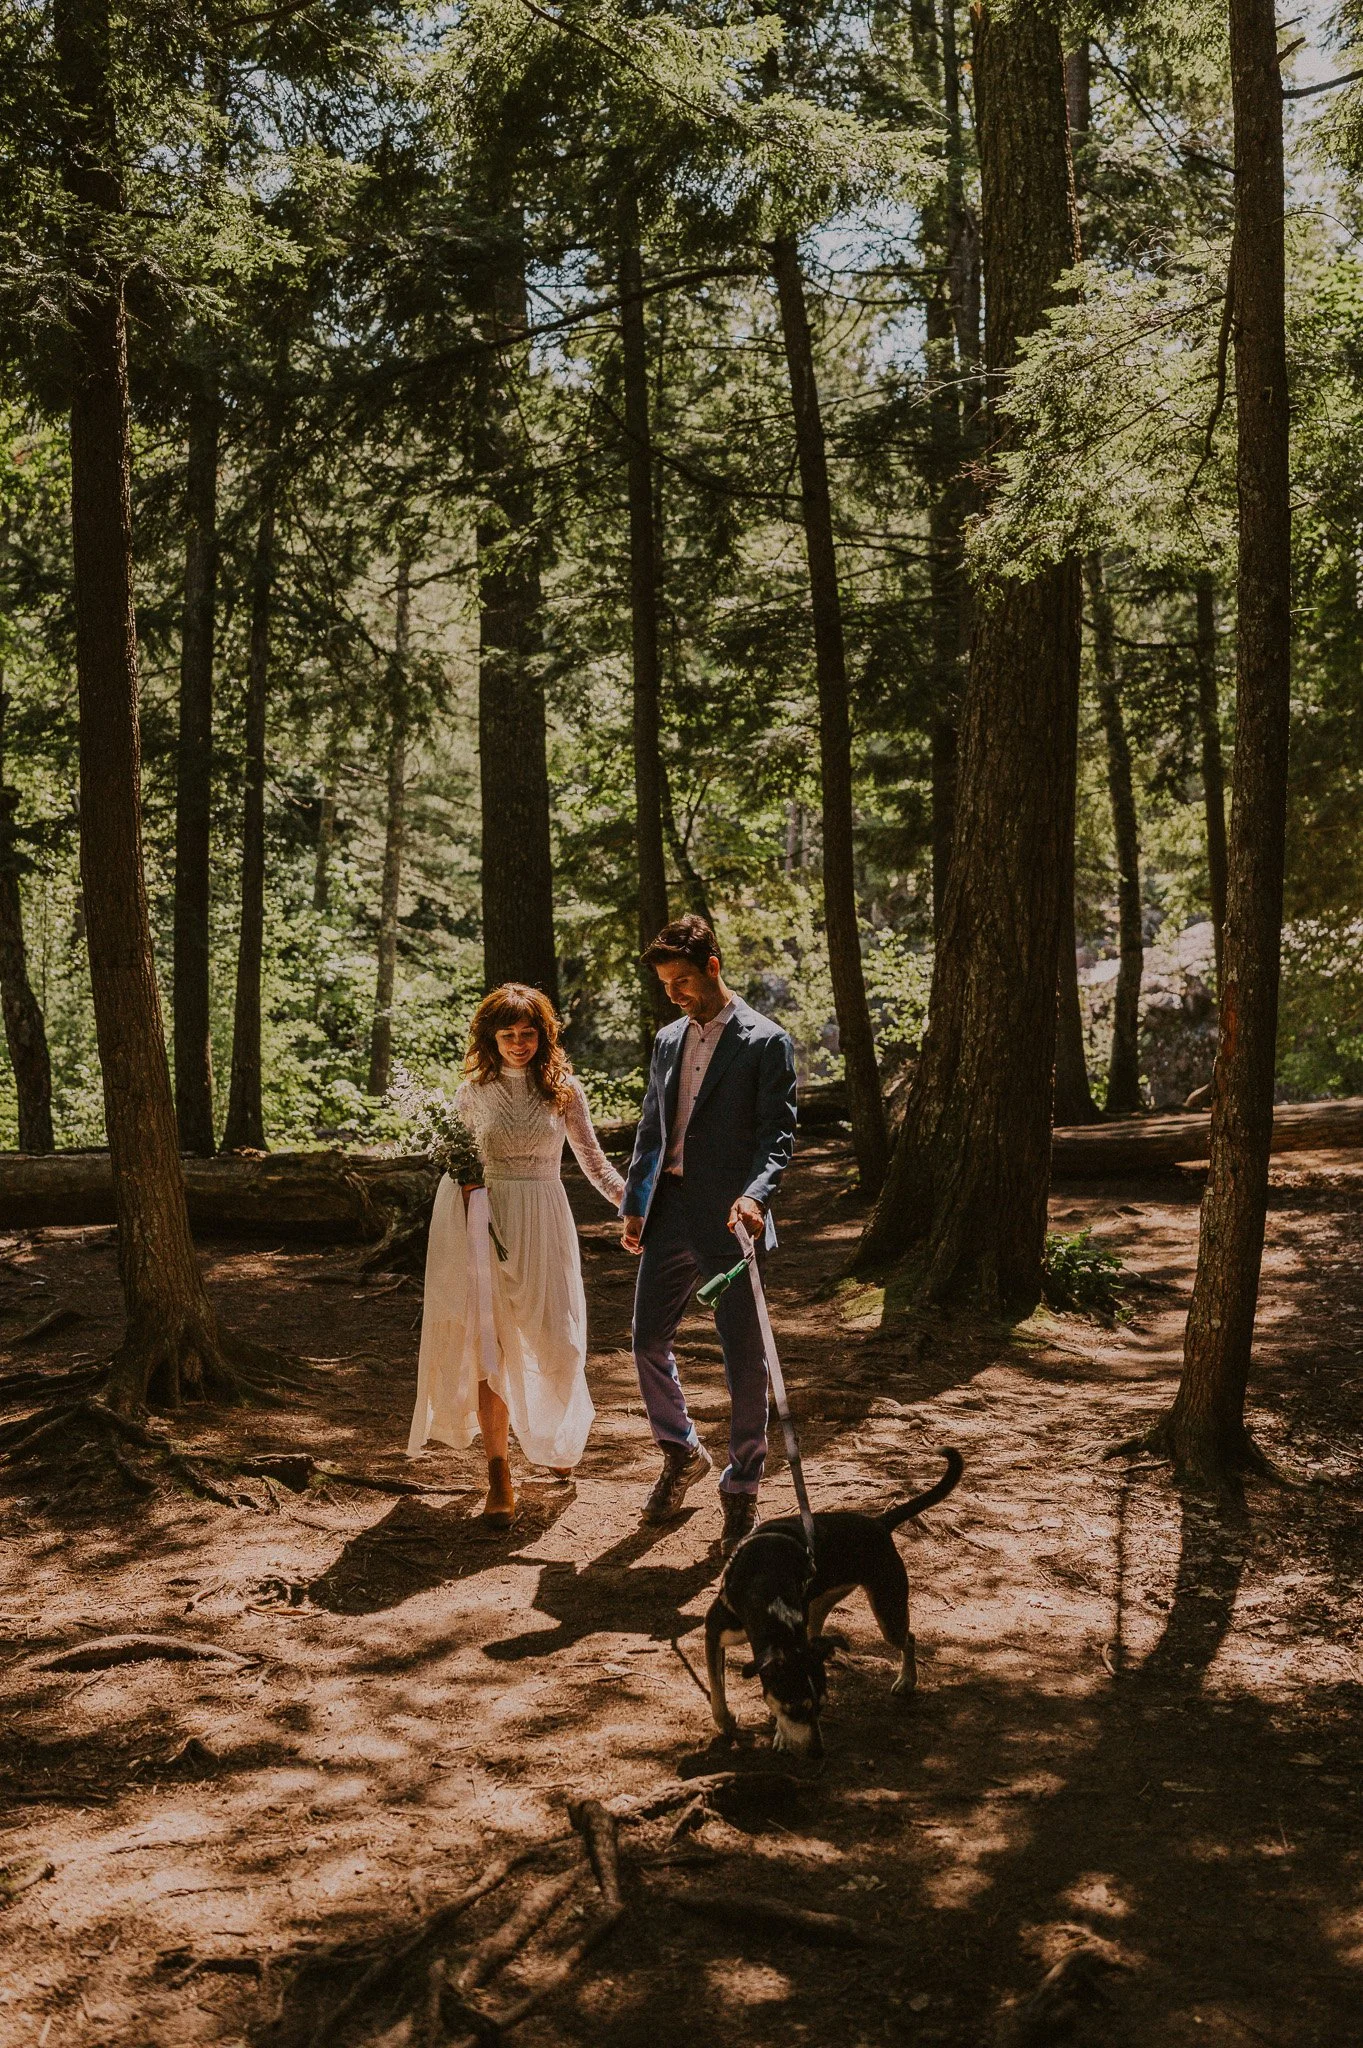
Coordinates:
[499,1508]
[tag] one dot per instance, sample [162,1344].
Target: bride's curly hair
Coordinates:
[515,1003]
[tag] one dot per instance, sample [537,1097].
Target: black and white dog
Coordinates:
[773,1595]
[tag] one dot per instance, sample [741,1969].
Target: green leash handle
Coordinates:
[719,1284]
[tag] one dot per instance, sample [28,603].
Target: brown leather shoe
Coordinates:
[681,1470]
[740,1513]
[499,1509]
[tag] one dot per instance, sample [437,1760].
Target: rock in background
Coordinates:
[1178,1015]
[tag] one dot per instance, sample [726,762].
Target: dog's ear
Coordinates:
[826,1647]
[758,1665]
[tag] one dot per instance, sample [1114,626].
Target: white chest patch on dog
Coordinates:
[793,1617]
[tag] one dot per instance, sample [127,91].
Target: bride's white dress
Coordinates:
[519,1323]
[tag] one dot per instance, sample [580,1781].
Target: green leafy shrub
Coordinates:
[1080,1275]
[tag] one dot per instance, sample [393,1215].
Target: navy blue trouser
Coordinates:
[675,1259]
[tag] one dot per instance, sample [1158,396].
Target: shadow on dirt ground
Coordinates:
[1124,1807]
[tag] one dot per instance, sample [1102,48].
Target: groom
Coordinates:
[715,1135]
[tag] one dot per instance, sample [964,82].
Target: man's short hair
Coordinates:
[686,938]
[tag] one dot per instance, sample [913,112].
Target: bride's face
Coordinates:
[517,1044]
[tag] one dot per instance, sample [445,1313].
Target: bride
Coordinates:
[504,1329]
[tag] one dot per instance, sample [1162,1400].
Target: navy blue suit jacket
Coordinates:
[741,1132]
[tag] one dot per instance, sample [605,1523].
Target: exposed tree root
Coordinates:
[48,1325]
[92,1420]
[1215,1464]
[416,1989]
[106,1652]
[498,1947]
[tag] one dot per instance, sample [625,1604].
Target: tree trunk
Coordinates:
[170,1344]
[245,1125]
[855,1036]
[1074,1102]
[1213,772]
[326,816]
[395,839]
[25,1033]
[947,586]
[643,594]
[1078,89]
[692,881]
[517,864]
[194,777]
[1124,1066]
[1205,1430]
[326,835]
[953,317]
[969,1178]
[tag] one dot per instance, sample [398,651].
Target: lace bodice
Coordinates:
[521,1137]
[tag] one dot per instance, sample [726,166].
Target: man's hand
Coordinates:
[632,1234]
[750,1214]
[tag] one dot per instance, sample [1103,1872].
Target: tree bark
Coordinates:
[693,882]
[394,843]
[25,1032]
[517,865]
[643,594]
[969,1178]
[947,587]
[1124,1066]
[855,1036]
[1205,1430]
[1213,770]
[245,1126]
[170,1344]
[1074,1102]
[326,835]
[953,336]
[194,777]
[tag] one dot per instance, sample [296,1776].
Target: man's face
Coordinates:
[694,990]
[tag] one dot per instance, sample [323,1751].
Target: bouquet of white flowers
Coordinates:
[437,1127]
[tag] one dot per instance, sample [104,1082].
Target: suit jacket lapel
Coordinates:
[673,1057]
[729,1041]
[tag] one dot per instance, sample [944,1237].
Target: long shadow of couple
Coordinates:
[612,1592]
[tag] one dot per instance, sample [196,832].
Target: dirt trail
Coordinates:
[1137,1733]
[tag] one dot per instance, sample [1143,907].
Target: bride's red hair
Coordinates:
[515,1003]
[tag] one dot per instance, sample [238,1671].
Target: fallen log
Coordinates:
[1138,1144]
[328,1196]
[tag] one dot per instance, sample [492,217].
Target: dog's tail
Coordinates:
[949,1479]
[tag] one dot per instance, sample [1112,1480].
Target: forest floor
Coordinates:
[1137,1738]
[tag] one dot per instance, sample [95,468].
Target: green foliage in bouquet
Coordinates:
[437,1127]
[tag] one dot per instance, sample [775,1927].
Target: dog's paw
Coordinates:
[906,1684]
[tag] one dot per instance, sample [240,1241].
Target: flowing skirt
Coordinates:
[518,1323]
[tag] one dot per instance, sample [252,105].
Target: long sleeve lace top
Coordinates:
[521,1137]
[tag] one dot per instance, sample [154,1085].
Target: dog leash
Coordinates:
[708,1296]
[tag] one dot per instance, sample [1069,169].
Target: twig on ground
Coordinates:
[747,1911]
[19,1877]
